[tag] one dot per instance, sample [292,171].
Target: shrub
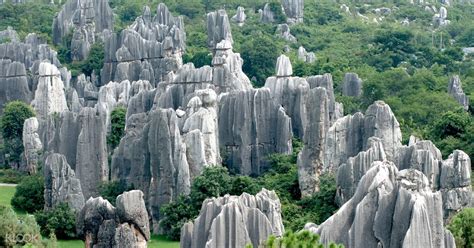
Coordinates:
[18,231]
[60,222]
[298,239]
[10,176]
[117,123]
[175,215]
[214,181]
[29,194]
[11,126]
[462,228]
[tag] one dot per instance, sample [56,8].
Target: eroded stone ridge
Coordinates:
[235,221]
[455,90]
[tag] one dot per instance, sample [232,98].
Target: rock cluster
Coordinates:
[441,18]
[240,16]
[32,144]
[148,49]
[85,19]
[218,28]
[283,31]
[235,221]
[61,184]
[9,35]
[352,85]
[266,15]
[455,90]
[390,208]
[293,10]
[100,224]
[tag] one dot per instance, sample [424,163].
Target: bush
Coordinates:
[214,181]
[18,231]
[298,239]
[110,190]
[29,194]
[10,176]
[11,126]
[462,228]
[95,60]
[175,215]
[60,221]
[117,123]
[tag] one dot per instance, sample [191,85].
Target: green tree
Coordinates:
[12,228]
[117,130]
[110,190]
[95,60]
[60,221]
[214,181]
[451,124]
[29,194]
[175,215]
[462,228]
[299,239]
[11,125]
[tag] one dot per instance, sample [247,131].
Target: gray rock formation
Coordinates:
[293,10]
[266,15]
[455,182]
[350,135]
[303,55]
[102,225]
[32,144]
[283,67]
[218,28]
[352,85]
[310,159]
[390,208]
[251,127]
[240,16]
[85,19]
[441,18]
[49,95]
[325,81]
[283,31]
[349,174]
[61,184]
[148,49]
[455,90]
[235,221]
[9,35]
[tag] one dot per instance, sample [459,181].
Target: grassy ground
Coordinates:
[157,241]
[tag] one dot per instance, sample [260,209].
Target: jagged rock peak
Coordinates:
[240,16]
[455,90]
[32,144]
[390,208]
[352,85]
[49,95]
[293,10]
[283,31]
[61,184]
[303,55]
[266,15]
[218,28]
[235,221]
[102,225]
[284,67]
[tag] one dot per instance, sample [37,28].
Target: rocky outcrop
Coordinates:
[235,221]
[148,49]
[293,10]
[303,55]
[284,67]
[390,208]
[350,135]
[61,184]
[85,19]
[218,28]
[32,144]
[325,81]
[266,15]
[441,18]
[9,35]
[240,16]
[102,225]
[251,127]
[49,95]
[352,85]
[283,31]
[455,90]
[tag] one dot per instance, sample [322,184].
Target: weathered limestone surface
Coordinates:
[390,208]
[252,126]
[102,225]
[218,28]
[49,95]
[293,10]
[148,49]
[32,144]
[352,85]
[455,90]
[61,184]
[283,31]
[235,221]
[266,15]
